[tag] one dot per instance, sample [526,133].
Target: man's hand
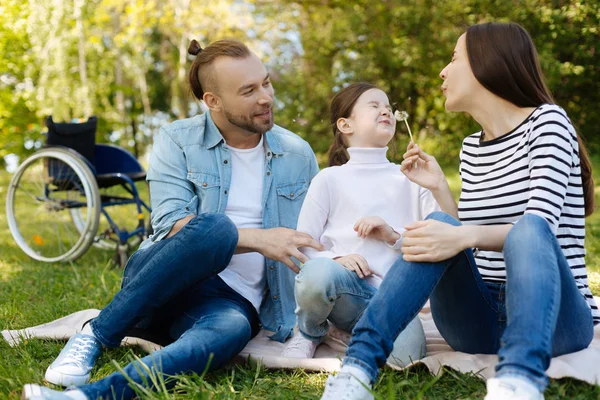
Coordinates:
[356,263]
[376,228]
[279,244]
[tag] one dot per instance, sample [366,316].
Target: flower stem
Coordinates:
[409,132]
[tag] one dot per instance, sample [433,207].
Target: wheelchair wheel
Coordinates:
[41,195]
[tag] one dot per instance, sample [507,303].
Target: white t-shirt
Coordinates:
[246,272]
[367,185]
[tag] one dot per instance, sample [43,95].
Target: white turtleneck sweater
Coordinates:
[368,185]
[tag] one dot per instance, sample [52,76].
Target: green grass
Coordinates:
[32,293]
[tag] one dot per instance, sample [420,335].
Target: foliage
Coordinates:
[126,62]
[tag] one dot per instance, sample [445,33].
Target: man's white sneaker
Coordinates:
[299,347]
[37,392]
[351,383]
[73,365]
[512,388]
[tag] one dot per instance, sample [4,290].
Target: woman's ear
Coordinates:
[344,126]
[212,101]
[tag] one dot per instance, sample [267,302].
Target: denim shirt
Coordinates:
[190,173]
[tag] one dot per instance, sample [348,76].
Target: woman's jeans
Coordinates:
[537,314]
[173,285]
[325,290]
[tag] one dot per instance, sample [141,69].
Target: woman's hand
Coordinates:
[376,228]
[432,241]
[427,173]
[356,263]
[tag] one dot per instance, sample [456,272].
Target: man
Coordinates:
[226,189]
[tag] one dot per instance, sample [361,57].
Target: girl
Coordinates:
[356,209]
[527,187]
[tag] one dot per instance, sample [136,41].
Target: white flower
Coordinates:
[400,115]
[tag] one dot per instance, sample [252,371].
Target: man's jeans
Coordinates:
[537,314]
[173,284]
[325,290]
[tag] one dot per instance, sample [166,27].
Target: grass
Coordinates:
[32,293]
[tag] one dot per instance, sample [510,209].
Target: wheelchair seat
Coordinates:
[112,162]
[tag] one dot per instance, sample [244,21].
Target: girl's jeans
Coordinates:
[537,314]
[325,290]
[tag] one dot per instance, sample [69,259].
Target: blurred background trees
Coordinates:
[126,61]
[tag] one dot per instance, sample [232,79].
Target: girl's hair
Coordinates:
[341,107]
[201,75]
[504,60]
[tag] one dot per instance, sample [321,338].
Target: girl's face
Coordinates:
[460,85]
[371,123]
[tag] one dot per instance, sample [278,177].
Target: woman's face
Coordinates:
[460,85]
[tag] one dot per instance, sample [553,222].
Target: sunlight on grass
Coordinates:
[8,270]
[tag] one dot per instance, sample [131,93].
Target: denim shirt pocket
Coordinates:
[289,201]
[207,188]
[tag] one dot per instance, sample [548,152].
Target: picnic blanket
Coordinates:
[583,365]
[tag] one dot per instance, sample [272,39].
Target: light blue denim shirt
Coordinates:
[190,173]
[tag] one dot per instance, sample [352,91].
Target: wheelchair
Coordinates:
[57,196]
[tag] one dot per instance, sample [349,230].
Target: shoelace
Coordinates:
[297,343]
[341,387]
[80,350]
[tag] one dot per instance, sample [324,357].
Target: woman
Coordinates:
[522,291]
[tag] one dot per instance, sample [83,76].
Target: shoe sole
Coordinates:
[29,391]
[65,380]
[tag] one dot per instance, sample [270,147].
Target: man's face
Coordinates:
[246,93]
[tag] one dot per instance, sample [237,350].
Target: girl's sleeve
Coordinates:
[314,213]
[553,154]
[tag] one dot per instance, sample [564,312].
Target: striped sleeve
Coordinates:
[552,143]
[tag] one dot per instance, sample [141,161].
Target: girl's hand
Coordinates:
[356,263]
[427,173]
[376,228]
[431,241]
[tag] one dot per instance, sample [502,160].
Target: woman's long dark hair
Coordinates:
[504,60]
[341,107]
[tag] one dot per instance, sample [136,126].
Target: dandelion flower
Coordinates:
[403,116]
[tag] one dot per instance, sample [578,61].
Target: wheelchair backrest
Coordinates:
[80,137]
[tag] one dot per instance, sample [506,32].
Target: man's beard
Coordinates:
[248,123]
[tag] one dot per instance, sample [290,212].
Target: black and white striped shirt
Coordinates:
[532,169]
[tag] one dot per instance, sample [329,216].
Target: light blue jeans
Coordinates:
[539,313]
[171,290]
[325,290]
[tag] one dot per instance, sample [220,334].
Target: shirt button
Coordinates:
[291,194]
[204,184]
[225,191]
[272,267]
[225,162]
[274,297]
[268,154]
[268,173]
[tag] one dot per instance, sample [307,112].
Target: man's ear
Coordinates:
[344,126]
[212,101]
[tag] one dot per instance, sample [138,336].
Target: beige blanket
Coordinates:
[583,365]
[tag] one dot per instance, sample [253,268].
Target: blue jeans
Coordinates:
[325,290]
[539,313]
[173,285]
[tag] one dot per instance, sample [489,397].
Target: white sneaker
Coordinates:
[74,364]
[37,392]
[299,347]
[351,383]
[512,388]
